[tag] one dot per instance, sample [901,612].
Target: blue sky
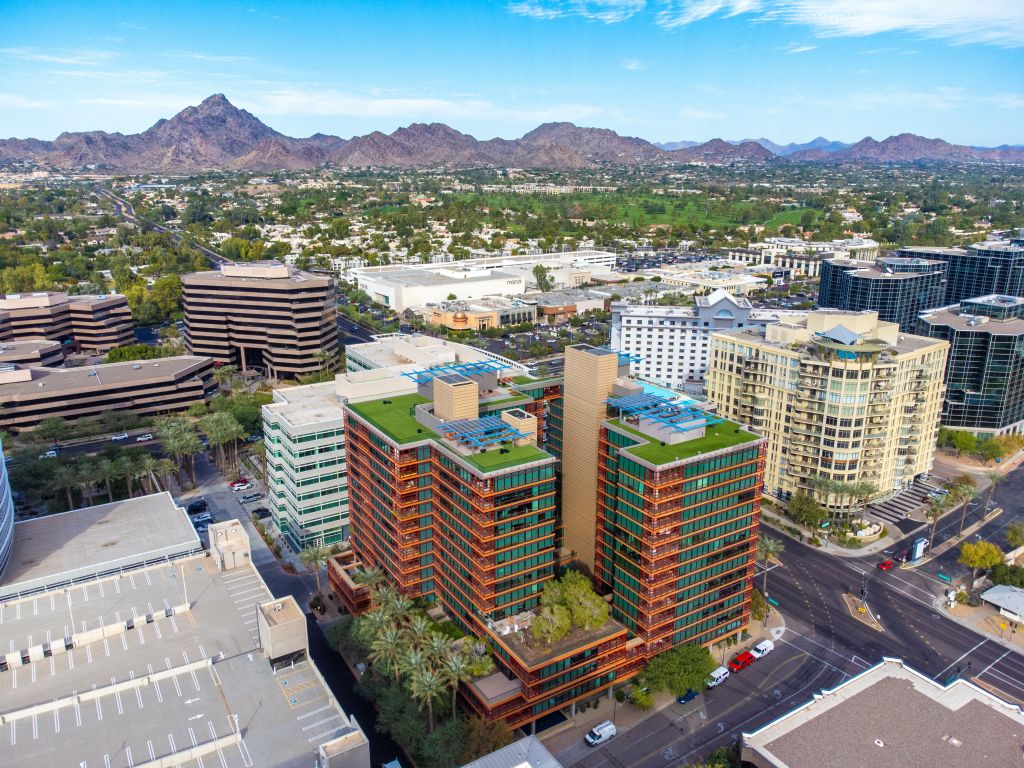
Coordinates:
[664,70]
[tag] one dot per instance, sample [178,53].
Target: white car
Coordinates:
[50,454]
[762,649]
[717,677]
[119,436]
[144,438]
[600,733]
[242,487]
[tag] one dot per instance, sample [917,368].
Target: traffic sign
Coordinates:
[944,577]
[773,601]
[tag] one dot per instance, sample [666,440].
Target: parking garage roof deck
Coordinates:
[195,679]
[53,550]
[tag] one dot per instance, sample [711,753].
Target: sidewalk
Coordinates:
[565,740]
[987,621]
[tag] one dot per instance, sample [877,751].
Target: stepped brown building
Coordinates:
[264,316]
[90,323]
[146,387]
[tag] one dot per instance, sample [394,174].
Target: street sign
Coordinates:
[946,578]
[773,601]
[825,524]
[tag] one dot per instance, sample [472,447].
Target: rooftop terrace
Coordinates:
[725,434]
[396,418]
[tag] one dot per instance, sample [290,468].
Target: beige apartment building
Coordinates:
[146,387]
[264,316]
[92,323]
[839,395]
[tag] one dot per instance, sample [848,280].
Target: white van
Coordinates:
[762,649]
[600,733]
[718,677]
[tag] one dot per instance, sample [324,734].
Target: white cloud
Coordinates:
[607,11]
[198,56]
[633,65]
[17,101]
[996,22]
[291,101]
[794,48]
[75,58]
[999,22]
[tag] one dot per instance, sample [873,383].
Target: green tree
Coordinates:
[483,736]
[64,479]
[551,623]
[427,685]
[805,510]
[980,556]
[680,669]
[1015,535]
[767,548]
[542,275]
[964,442]
[225,374]
[937,507]
[386,651]
[313,558]
[52,429]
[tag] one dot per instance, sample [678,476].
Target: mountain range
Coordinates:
[217,135]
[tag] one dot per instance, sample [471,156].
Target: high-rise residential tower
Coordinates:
[840,396]
[982,269]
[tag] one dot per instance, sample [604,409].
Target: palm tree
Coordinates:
[456,667]
[64,479]
[85,472]
[181,442]
[428,684]
[370,577]
[386,650]
[164,469]
[314,557]
[260,449]
[147,467]
[105,472]
[418,630]
[937,507]
[125,466]
[225,374]
[437,645]
[994,477]
[767,548]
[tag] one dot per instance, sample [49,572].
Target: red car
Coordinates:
[885,565]
[742,661]
[239,481]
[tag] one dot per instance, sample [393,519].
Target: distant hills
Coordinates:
[217,135]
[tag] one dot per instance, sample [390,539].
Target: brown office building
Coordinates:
[91,323]
[264,316]
[146,387]
[32,354]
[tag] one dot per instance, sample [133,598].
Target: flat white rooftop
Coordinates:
[57,549]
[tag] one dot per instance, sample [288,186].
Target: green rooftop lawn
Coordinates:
[494,459]
[522,379]
[394,417]
[716,437]
[504,400]
[396,420]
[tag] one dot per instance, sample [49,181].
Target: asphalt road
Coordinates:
[351,332]
[823,645]
[124,210]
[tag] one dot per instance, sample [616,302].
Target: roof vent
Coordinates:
[879,743]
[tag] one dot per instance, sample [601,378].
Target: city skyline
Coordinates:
[779,69]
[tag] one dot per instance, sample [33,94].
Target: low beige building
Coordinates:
[839,395]
[480,315]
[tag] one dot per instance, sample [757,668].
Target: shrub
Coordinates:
[758,605]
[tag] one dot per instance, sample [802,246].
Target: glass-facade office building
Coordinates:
[985,371]
[983,269]
[898,289]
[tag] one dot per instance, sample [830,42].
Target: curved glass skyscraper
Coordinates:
[6,516]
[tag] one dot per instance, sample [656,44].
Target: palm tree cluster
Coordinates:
[93,476]
[406,647]
[181,442]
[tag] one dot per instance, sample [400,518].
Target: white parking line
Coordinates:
[56,719]
[335,716]
[152,752]
[14,737]
[315,711]
[128,754]
[320,736]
